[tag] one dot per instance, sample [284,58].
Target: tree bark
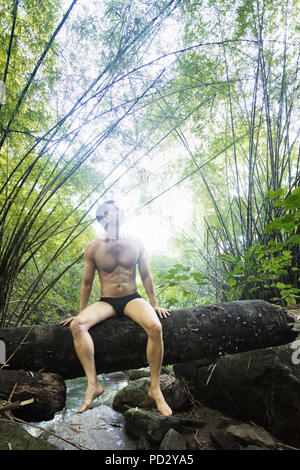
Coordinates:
[193,333]
[48,391]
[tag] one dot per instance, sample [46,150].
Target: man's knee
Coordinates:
[77,326]
[155,330]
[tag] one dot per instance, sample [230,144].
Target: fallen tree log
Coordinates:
[200,332]
[48,391]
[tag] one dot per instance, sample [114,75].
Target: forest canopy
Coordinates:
[185,112]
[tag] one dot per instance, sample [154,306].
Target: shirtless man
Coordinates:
[115,258]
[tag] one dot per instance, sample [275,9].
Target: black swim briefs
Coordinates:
[118,303]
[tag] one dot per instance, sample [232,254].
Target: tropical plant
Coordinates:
[269,271]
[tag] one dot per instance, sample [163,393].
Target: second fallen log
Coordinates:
[202,332]
[46,390]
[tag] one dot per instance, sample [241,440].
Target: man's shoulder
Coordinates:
[138,243]
[91,246]
[93,242]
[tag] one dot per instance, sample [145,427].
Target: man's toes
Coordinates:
[166,410]
[83,407]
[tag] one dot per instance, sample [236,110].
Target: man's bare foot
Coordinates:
[161,403]
[92,392]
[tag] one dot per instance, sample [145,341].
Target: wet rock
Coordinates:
[191,443]
[262,386]
[223,441]
[136,394]
[174,393]
[153,426]
[99,428]
[173,440]
[247,434]
[117,376]
[143,444]
[14,437]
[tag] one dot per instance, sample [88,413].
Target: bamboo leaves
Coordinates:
[44,193]
[254,109]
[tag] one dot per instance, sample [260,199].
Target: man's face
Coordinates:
[111,214]
[111,220]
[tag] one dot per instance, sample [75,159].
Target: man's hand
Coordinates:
[162,312]
[67,321]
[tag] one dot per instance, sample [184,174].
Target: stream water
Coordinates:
[76,390]
[100,427]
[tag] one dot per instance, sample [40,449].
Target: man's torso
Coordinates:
[115,262]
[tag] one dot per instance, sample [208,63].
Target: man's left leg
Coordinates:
[142,313]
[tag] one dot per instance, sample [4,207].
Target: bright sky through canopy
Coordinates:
[155,224]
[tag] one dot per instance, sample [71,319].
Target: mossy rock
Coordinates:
[14,437]
[173,440]
[153,426]
[136,394]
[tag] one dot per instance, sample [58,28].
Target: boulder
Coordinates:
[143,444]
[173,440]
[136,394]
[153,426]
[98,428]
[223,441]
[135,374]
[247,434]
[14,437]
[261,386]
[192,443]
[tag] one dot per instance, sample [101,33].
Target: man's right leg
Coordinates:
[84,346]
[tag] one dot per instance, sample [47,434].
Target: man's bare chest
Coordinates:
[110,255]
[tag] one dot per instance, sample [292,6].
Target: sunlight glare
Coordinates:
[156,224]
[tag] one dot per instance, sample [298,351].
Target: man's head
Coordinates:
[108,215]
[104,210]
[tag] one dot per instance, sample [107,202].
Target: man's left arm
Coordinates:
[144,270]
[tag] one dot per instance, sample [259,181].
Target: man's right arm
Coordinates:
[88,277]
[87,281]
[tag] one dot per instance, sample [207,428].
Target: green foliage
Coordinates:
[230,99]
[64,71]
[260,272]
[180,286]
[230,95]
